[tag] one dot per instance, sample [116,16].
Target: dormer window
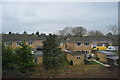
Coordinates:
[30,43]
[78,44]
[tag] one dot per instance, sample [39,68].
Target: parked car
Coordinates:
[101,48]
[112,48]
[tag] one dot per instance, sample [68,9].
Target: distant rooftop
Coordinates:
[88,39]
[113,57]
[21,37]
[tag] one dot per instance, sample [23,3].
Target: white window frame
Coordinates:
[86,45]
[10,43]
[78,57]
[30,43]
[18,43]
[87,52]
[77,44]
[93,45]
[6,43]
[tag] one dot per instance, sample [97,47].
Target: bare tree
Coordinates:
[114,30]
[73,31]
[95,33]
[79,31]
[67,31]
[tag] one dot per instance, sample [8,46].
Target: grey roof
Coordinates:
[38,53]
[106,52]
[88,39]
[110,55]
[20,37]
[113,57]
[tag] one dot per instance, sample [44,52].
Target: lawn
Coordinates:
[80,71]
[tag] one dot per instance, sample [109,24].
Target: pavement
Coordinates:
[106,65]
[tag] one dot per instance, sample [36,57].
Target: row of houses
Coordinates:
[72,44]
[85,44]
[14,40]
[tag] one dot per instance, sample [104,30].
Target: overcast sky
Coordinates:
[49,17]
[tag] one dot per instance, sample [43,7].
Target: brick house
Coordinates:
[107,57]
[73,44]
[75,58]
[14,40]
[85,44]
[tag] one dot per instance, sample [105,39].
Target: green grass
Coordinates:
[66,63]
[76,71]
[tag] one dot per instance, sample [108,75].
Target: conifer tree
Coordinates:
[53,57]
[24,32]
[37,33]
[10,32]
[25,57]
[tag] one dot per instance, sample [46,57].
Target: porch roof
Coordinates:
[74,53]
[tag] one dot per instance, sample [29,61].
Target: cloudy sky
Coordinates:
[49,17]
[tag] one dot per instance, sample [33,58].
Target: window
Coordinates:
[61,44]
[86,44]
[6,43]
[93,45]
[78,57]
[10,43]
[78,44]
[30,43]
[86,52]
[19,43]
[99,45]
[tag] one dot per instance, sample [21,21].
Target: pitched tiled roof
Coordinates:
[20,37]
